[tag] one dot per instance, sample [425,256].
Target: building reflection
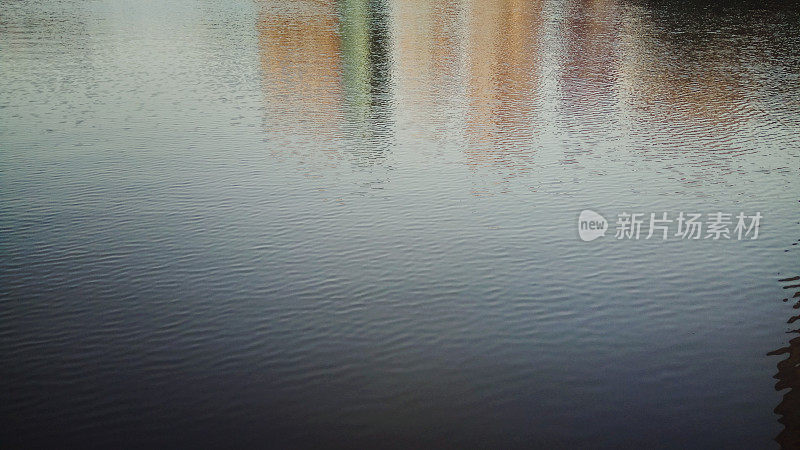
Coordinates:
[504,54]
[428,71]
[685,90]
[788,376]
[301,62]
[661,81]
[589,72]
[491,77]
[694,79]
[466,75]
[326,74]
[365,46]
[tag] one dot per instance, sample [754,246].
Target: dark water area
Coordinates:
[354,223]
[788,375]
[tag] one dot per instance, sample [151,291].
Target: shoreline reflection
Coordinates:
[788,375]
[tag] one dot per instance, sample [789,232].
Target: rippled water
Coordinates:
[353,223]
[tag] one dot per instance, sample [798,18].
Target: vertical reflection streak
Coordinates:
[366,33]
[504,55]
[300,54]
[327,83]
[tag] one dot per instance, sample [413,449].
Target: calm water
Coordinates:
[354,223]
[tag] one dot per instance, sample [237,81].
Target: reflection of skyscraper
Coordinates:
[326,66]
[503,53]
[688,95]
[301,62]
[365,35]
[468,72]
[788,377]
[588,81]
[428,56]
[687,84]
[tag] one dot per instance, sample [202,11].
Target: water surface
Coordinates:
[352,223]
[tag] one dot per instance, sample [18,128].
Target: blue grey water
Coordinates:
[354,223]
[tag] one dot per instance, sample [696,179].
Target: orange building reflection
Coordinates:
[325,67]
[467,73]
[300,53]
[473,75]
[427,57]
[504,54]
